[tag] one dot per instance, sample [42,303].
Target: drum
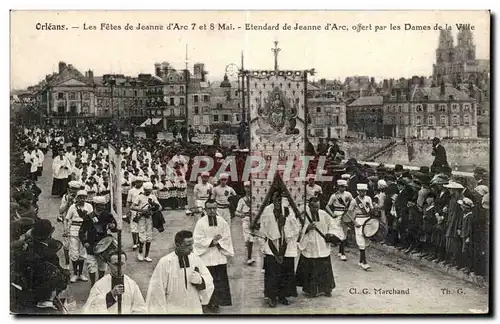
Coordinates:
[375,230]
[105,247]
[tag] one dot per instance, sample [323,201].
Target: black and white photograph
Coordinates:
[250,162]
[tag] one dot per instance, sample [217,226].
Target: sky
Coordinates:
[334,54]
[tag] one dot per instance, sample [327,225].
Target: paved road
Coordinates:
[357,291]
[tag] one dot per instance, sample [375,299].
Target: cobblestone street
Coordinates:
[356,291]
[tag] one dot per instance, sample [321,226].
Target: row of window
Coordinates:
[331,110]
[327,120]
[206,119]
[431,120]
[455,108]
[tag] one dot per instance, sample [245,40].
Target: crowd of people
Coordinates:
[428,212]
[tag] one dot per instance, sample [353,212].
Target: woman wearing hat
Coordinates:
[452,221]
[465,234]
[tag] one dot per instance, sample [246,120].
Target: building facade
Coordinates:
[225,106]
[364,115]
[430,112]
[327,110]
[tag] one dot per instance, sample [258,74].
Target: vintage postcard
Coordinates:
[250,162]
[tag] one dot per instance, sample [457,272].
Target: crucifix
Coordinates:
[276,51]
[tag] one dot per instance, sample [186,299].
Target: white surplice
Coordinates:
[58,165]
[168,292]
[312,244]
[269,229]
[132,300]
[203,235]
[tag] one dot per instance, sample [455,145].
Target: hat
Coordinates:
[311,176]
[346,176]
[205,174]
[139,178]
[480,170]
[424,169]
[381,184]
[218,155]
[99,200]
[246,184]
[223,176]
[453,185]
[42,229]
[81,193]
[74,185]
[390,177]
[341,182]
[398,168]
[439,179]
[466,202]
[485,202]
[362,186]
[147,186]
[482,190]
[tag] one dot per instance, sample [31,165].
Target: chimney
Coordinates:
[158,70]
[90,74]
[62,66]
[443,89]
[322,82]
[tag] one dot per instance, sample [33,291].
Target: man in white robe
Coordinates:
[314,270]
[281,228]
[60,172]
[103,297]
[180,283]
[213,244]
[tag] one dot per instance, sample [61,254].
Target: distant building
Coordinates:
[225,107]
[327,110]
[429,112]
[365,115]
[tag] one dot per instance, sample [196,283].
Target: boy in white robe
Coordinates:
[180,283]
[213,244]
[103,297]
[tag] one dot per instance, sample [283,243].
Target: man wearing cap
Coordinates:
[243,211]
[360,209]
[312,189]
[202,191]
[480,175]
[337,207]
[213,244]
[133,193]
[67,200]
[94,228]
[221,195]
[145,204]
[314,270]
[77,212]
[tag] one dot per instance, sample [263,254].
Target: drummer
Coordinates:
[94,228]
[360,208]
[337,207]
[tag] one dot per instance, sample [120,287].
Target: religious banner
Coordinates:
[277,130]
[115,180]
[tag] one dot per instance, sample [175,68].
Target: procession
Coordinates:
[353,189]
[418,212]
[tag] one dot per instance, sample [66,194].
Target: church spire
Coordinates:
[445,39]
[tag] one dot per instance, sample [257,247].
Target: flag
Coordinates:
[277,104]
[115,177]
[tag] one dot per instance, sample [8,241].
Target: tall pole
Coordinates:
[186,79]
[242,74]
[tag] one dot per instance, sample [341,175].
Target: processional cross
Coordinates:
[276,51]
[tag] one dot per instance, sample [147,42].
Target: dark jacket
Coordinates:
[440,160]
[92,232]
